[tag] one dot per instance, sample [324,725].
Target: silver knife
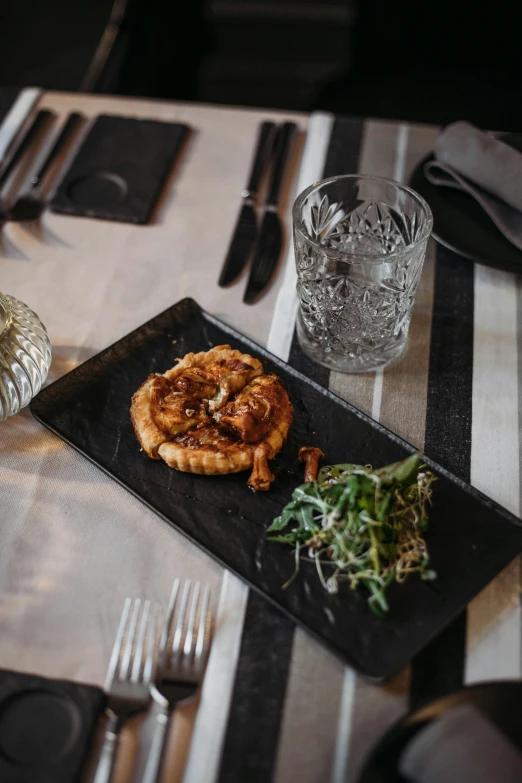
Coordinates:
[40,124]
[244,236]
[15,121]
[270,241]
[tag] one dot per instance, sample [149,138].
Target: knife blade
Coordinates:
[40,123]
[243,238]
[16,120]
[31,204]
[268,250]
[270,241]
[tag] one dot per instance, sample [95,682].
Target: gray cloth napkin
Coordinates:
[486,168]
[462,746]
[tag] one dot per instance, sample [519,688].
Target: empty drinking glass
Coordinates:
[359,244]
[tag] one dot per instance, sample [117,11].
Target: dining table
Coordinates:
[276,705]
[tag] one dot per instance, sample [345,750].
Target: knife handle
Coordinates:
[152,739]
[39,123]
[68,130]
[285,137]
[265,143]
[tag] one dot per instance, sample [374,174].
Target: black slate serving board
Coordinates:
[471,538]
[120,169]
[46,727]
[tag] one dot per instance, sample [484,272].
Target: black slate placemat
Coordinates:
[46,727]
[120,169]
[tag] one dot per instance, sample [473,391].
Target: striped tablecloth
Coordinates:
[296,714]
[275,705]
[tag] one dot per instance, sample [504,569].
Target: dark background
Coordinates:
[413,60]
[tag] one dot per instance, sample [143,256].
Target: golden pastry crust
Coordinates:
[214,413]
[209,450]
[159,412]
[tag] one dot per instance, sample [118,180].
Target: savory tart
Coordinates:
[215,412]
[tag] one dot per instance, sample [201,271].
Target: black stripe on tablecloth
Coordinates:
[439,668]
[345,147]
[301,362]
[251,740]
[258,695]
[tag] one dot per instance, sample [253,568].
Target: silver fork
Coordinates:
[130,673]
[184,648]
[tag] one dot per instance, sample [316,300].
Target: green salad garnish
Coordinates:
[361,526]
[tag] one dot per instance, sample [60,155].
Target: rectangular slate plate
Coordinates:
[46,727]
[120,169]
[471,538]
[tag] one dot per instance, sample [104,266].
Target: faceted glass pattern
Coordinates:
[360,244]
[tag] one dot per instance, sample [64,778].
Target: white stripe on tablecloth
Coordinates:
[218,685]
[399,170]
[494,619]
[403,133]
[344,728]
[311,169]
[377,394]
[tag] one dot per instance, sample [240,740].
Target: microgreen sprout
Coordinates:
[361,526]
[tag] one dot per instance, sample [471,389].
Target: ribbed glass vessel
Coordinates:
[25,355]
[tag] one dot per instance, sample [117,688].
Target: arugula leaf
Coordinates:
[403,472]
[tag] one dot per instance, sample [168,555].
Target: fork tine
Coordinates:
[189,637]
[140,642]
[126,659]
[148,667]
[168,622]
[118,643]
[177,641]
[202,642]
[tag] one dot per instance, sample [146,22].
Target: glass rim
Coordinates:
[7,312]
[344,255]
